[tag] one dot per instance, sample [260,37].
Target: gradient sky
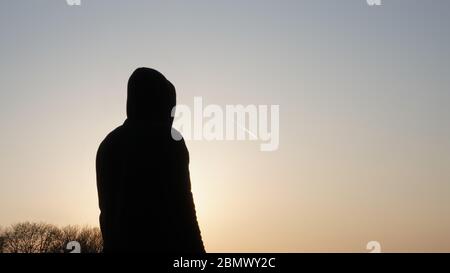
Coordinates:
[364,95]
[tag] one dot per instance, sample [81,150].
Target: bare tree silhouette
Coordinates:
[2,240]
[89,238]
[41,237]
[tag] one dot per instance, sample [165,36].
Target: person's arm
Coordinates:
[193,233]
[104,194]
[196,239]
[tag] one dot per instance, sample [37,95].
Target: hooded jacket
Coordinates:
[143,181]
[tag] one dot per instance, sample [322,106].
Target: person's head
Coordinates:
[151,97]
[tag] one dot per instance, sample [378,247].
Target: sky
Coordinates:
[364,98]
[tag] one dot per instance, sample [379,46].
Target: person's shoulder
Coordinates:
[112,139]
[178,140]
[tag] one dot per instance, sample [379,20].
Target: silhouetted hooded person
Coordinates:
[143,180]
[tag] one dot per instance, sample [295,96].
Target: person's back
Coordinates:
[143,176]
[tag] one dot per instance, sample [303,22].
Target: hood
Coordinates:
[151,97]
